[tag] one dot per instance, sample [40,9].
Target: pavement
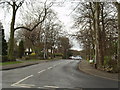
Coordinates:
[86,67]
[54,74]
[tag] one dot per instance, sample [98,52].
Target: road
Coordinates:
[53,74]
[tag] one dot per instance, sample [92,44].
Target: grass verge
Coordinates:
[11,62]
[31,60]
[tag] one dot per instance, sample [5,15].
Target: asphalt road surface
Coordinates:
[53,74]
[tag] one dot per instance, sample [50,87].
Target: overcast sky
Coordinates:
[64,14]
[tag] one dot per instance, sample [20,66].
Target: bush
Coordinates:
[106,60]
[58,54]
[32,54]
[0,58]
[26,58]
[41,54]
[113,64]
[110,65]
[5,59]
[29,57]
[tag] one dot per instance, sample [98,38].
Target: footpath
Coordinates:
[85,67]
[19,65]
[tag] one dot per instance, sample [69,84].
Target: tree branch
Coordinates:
[9,3]
[3,2]
[22,28]
[19,5]
[45,9]
[116,4]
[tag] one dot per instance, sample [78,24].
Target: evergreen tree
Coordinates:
[4,43]
[21,49]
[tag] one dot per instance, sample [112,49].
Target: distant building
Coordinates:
[28,51]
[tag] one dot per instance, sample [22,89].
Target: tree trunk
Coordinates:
[51,53]
[119,36]
[11,41]
[97,44]
[94,41]
[103,36]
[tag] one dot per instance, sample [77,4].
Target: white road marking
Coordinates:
[27,84]
[23,85]
[54,65]
[41,71]
[40,87]
[15,84]
[51,87]
[19,85]
[50,67]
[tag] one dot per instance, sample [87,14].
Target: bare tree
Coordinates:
[15,6]
[45,36]
[98,27]
[118,9]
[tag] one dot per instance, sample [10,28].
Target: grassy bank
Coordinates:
[23,61]
[11,62]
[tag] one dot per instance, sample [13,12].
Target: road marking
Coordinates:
[50,67]
[23,85]
[40,87]
[54,65]
[19,85]
[27,84]
[51,87]
[21,80]
[41,71]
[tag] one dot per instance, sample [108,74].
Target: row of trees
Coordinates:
[47,39]
[99,32]
[40,29]
[15,5]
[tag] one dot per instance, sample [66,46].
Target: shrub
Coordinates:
[106,60]
[5,59]
[32,54]
[58,54]
[113,64]
[110,64]
[0,58]
[21,49]
[26,58]
[41,54]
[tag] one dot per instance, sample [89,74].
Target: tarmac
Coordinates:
[83,66]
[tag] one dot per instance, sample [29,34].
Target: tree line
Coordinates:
[99,32]
[40,30]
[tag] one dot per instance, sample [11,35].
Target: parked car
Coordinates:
[71,57]
[77,57]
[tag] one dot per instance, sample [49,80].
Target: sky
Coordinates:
[65,15]
[63,10]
